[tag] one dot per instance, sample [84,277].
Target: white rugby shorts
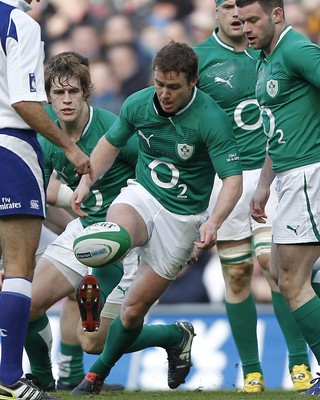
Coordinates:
[240,225]
[297,217]
[171,236]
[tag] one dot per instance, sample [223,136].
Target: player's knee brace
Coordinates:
[236,255]
[262,243]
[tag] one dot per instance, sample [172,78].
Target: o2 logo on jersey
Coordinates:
[241,109]
[184,151]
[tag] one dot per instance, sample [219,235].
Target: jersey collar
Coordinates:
[285,30]
[20,4]
[87,126]
[221,43]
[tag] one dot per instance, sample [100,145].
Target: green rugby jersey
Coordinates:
[288,91]
[229,77]
[178,155]
[104,191]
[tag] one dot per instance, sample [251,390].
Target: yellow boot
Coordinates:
[253,383]
[301,377]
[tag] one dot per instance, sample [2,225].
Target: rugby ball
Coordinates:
[101,244]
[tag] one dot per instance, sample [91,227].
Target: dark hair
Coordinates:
[266,5]
[68,65]
[177,57]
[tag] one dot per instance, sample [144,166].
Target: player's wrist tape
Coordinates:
[63,196]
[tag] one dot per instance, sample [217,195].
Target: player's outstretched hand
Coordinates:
[208,236]
[258,204]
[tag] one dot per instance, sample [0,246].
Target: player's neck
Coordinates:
[273,43]
[239,43]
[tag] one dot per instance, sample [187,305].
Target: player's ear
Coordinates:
[194,81]
[277,15]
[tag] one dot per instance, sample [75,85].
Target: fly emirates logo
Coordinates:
[7,204]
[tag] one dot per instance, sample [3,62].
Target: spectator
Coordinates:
[128,68]
[297,16]
[84,40]
[106,87]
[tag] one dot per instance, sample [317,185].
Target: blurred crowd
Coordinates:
[120,38]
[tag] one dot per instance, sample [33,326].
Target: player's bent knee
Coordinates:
[36,313]
[238,255]
[92,346]
[262,247]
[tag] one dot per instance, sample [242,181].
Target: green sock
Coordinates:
[165,336]
[38,345]
[70,363]
[295,341]
[118,340]
[307,317]
[243,322]
[108,278]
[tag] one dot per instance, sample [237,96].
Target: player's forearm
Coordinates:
[37,118]
[102,158]
[228,197]
[267,174]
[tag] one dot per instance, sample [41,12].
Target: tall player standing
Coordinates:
[288,91]
[227,72]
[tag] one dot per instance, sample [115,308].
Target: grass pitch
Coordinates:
[187,395]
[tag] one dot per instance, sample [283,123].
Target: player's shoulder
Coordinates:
[204,46]
[207,109]
[24,20]
[100,119]
[293,42]
[140,96]
[103,114]
[207,103]
[138,102]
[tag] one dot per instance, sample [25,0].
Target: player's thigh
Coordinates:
[299,259]
[19,239]
[49,285]
[144,291]
[46,238]
[69,318]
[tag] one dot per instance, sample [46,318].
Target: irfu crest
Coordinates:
[185,151]
[272,87]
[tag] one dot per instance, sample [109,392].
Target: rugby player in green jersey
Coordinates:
[288,91]
[58,273]
[184,140]
[227,72]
